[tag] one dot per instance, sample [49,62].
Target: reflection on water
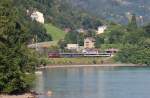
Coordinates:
[95,82]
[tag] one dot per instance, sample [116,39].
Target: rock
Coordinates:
[49,93]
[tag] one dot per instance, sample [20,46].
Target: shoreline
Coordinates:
[91,65]
[27,95]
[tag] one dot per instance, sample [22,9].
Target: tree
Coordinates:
[87,23]
[135,55]
[62,44]
[132,23]
[147,30]
[114,34]
[99,41]
[133,37]
[37,29]
[15,59]
[72,37]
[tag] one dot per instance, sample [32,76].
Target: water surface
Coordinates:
[95,82]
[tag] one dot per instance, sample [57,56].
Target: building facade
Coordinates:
[101,29]
[38,16]
[89,43]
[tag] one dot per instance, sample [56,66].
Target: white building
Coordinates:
[101,29]
[38,16]
[72,46]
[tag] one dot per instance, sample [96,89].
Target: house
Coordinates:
[89,43]
[72,46]
[38,16]
[101,29]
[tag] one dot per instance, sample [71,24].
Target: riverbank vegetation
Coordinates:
[136,42]
[77,61]
[16,60]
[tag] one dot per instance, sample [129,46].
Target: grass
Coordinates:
[56,33]
[78,61]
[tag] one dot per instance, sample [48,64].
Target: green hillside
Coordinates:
[55,32]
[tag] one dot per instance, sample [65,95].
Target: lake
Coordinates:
[95,82]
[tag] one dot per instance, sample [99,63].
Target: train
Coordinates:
[73,55]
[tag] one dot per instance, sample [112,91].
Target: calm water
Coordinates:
[95,82]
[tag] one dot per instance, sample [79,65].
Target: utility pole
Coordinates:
[77,42]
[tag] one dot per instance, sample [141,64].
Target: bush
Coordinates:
[43,62]
[135,55]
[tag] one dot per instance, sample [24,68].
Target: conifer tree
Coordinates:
[133,23]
